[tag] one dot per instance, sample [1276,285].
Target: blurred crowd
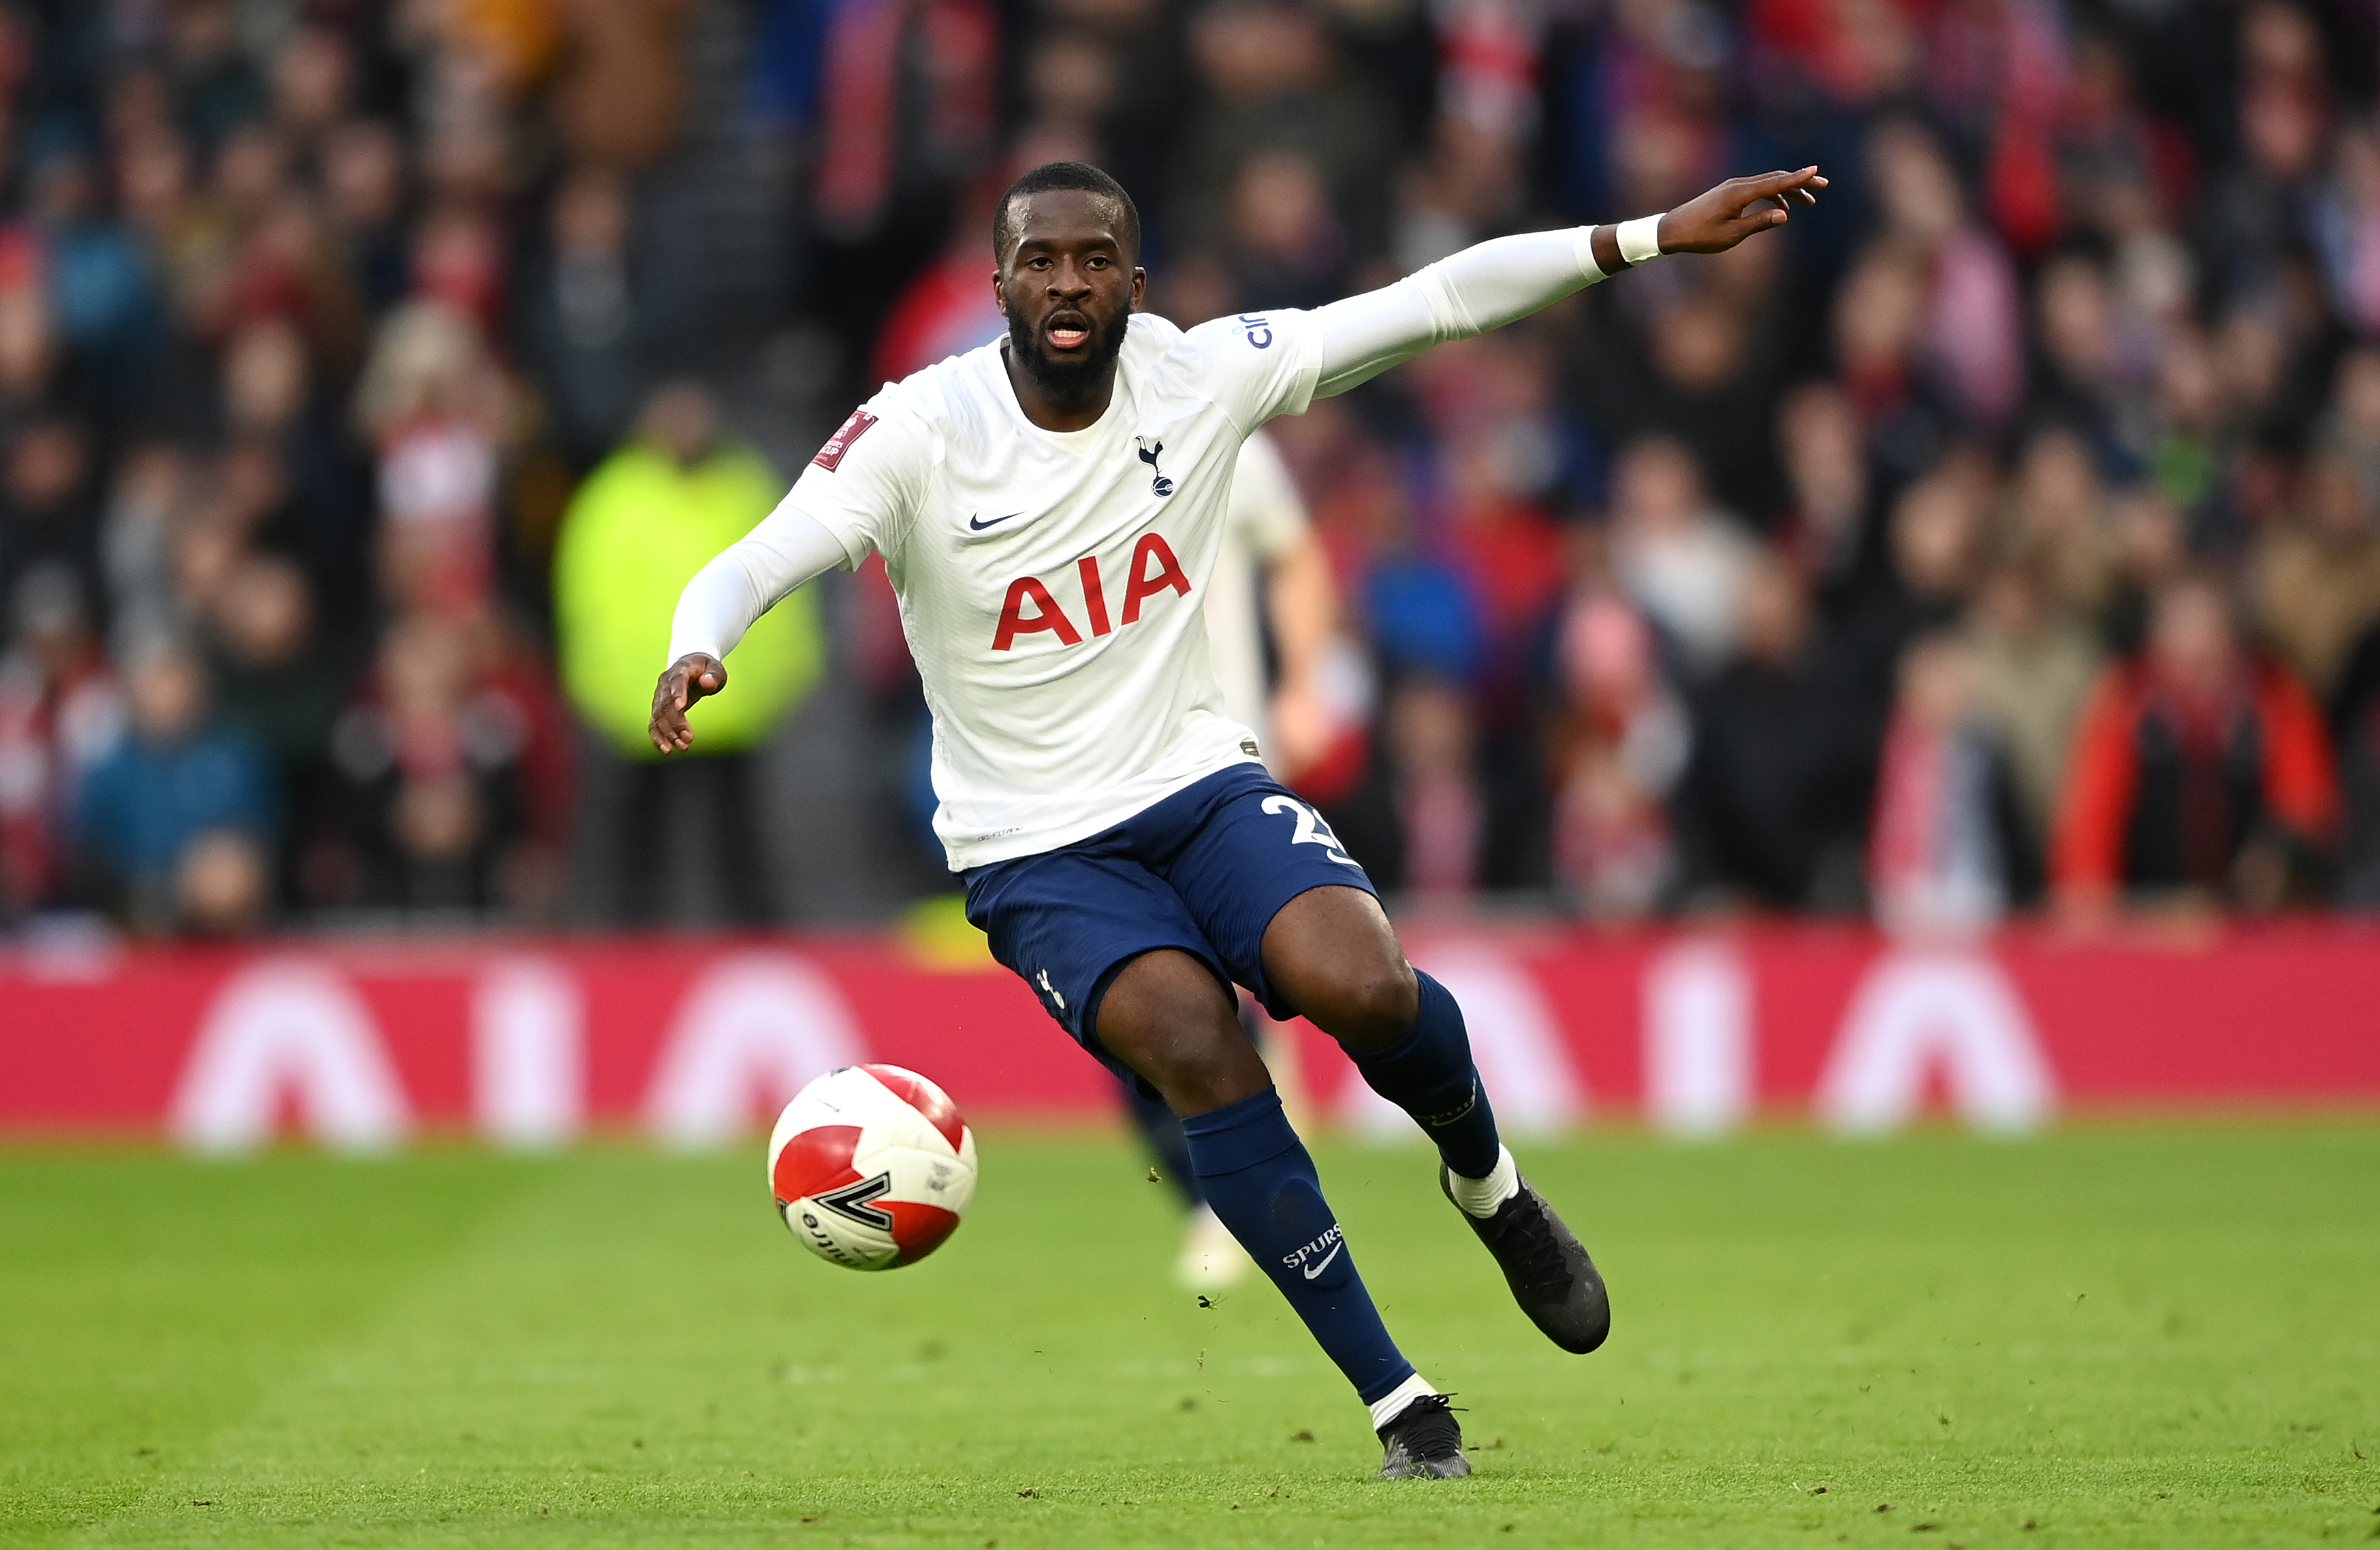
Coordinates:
[2004,535]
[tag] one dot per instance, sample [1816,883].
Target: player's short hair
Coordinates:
[1008,229]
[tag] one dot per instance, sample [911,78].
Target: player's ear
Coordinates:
[1139,287]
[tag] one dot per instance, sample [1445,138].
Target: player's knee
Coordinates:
[1364,1004]
[1199,1070]
[1170,1022]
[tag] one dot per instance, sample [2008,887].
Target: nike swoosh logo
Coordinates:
[979,524]
[1314,1270]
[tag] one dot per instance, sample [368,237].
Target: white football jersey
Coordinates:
[1052,583]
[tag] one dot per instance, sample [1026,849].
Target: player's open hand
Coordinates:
[1717,221]
[690,678]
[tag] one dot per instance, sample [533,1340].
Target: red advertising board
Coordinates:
[363,1043]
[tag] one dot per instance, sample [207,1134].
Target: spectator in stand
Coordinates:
[59,712]
[582,318]
[1423,617]
[1825,526]
[2254,212]
[363,169]
[1458,189]
[656,511]
[1933,541]
[272,412]
[2346,226]
[1273,84]
[1501,447]
[2351,429]
[2313,576]
[174,826]
[217,86]
[2034,668]
[46,500]
[2059,513]
[1432,746]
[1877,324]
[2152,551]
[98,288]
[1947,852]
[948,310]
[431,771]
[1286,247]
[2355,733]
[1715,345]
[1618,745]
[2200,772]
[137,541]
[622,92]
[1972,317]
[2085,373]
[279,678]
[27,341]
[434,404]
[1760,813]
[1684,562]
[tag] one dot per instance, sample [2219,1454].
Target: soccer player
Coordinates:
[1048,507]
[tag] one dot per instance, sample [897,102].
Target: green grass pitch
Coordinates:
[2116,1335]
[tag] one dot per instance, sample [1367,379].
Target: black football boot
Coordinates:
[1423,1443]
[1547,1267]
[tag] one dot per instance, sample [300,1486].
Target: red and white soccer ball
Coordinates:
[872,1167]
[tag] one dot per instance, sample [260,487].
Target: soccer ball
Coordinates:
[871,1166]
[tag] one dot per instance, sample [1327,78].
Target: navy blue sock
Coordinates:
[1431,1077]
[1262,1184]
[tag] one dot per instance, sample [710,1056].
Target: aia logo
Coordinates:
[1153,570]
[829,456]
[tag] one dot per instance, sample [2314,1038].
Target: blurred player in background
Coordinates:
[1046,506]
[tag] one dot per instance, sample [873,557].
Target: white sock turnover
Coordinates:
[1389,1406]
[1481,1196]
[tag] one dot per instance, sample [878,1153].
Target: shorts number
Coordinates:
[1311,829]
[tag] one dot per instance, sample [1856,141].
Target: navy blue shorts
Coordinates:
[1205,871]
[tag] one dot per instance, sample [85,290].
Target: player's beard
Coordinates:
[1069,378]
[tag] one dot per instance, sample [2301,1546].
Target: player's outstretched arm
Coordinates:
[1507,278]
[747,579]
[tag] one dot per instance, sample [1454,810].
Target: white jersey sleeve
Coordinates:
[1260,365]
[859,494]
[1257,366]
[866,482]
[746,579]
[1481,287]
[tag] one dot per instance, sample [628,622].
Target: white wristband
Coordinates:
[1640,240]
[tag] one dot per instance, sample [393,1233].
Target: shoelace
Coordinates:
[1426,1428]
[1543,1267]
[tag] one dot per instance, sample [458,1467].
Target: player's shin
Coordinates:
[1261,1182]
[1161,1134]
[1431,1076]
